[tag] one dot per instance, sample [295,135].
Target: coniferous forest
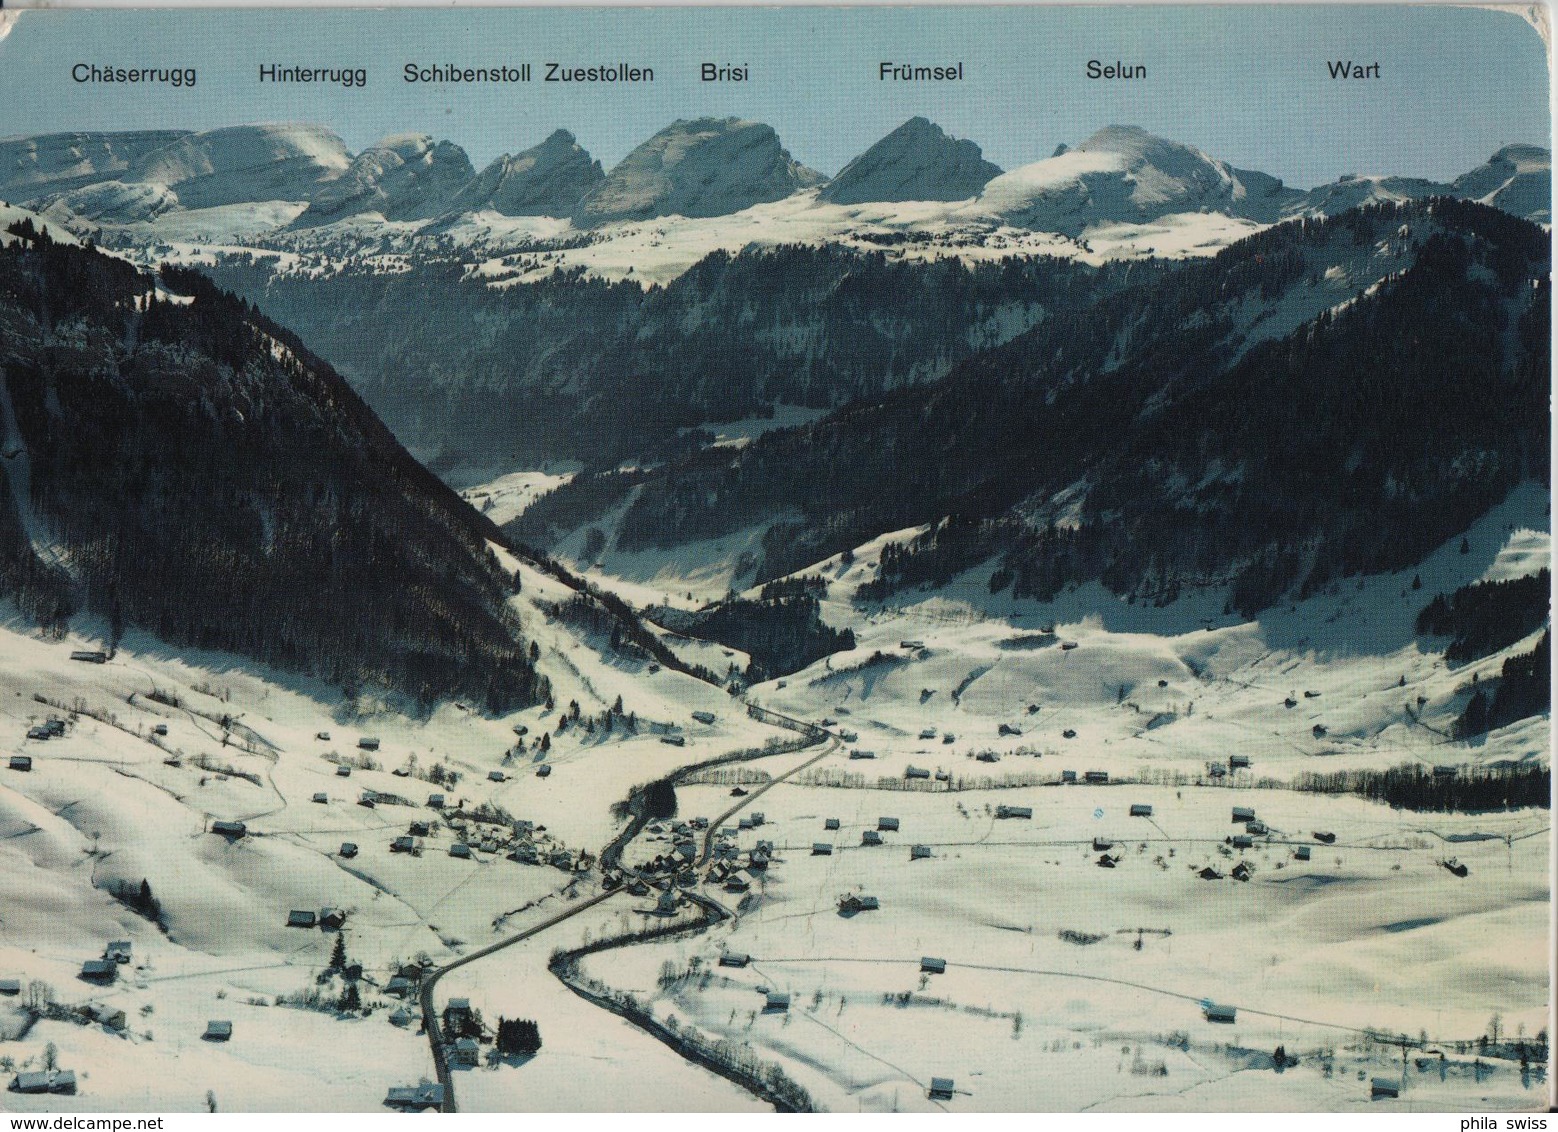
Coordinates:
[568,366]
[178,463]
[1192,451]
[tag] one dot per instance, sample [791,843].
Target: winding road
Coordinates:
[609,858]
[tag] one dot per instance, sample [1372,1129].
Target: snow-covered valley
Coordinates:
[1065,984]
[694,633]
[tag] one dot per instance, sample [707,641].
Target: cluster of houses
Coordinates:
[50,728]
[326,919]
[105,970]
[521,841]
[407,980]
[670,873]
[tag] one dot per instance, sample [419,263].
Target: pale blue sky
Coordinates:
[1246,84]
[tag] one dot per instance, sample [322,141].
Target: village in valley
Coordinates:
[971,591]
[1093,847]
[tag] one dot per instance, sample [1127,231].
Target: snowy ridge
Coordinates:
[245,163]
[53,163]
[1518,179]
[1121,173]
[695,187]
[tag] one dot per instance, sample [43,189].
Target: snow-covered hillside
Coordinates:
[1063,985]
[1518,179]
[1319,933]
[51,163]
[159,743]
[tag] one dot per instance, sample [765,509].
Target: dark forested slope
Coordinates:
[1174,440]
[573,367]
[190,468]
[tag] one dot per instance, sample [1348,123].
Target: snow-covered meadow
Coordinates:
[1068,984]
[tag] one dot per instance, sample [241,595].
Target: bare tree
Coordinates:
[39,995]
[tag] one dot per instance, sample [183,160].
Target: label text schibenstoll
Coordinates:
[452,73]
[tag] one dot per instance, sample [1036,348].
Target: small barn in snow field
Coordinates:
[427,1095]
[61,1082]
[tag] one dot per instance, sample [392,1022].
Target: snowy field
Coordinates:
[505,497]
[510,251]
[1067,984]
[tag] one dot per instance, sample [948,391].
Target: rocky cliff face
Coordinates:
[546,180]
[703,167]
[404,177]
[917,161]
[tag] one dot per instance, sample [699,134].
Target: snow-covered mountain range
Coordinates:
[693,187]
[1072,554]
